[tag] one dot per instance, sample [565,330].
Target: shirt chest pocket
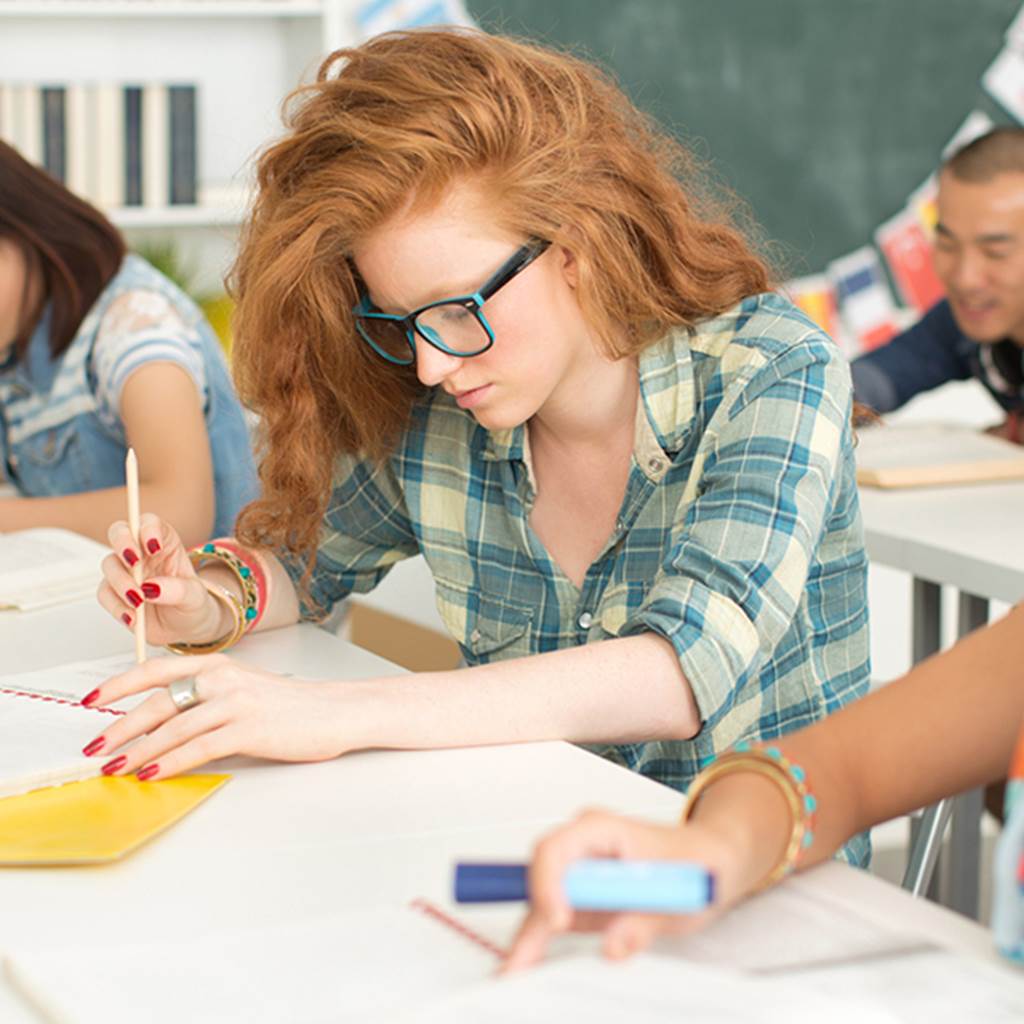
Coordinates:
[618,605]
[50,462]
[486,628]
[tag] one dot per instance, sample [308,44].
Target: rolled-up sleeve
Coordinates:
[365,532]
[750,522]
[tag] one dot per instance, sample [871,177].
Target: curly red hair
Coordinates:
[559,150]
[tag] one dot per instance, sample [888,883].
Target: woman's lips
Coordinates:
[467,399]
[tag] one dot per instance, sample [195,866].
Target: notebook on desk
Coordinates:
[53,807]
[416,963]
[934,455]
[40,568]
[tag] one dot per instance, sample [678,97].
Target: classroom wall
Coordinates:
[822,114]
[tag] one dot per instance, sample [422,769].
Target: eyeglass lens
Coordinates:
[451,324]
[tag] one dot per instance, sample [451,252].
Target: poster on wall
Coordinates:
[376,16]
[816,296]
[865,301]
[908,254]
[1004,81]
[974,125]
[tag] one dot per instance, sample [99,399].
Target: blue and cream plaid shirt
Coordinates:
[739,538]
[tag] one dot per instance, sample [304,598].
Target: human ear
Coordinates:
[570,267]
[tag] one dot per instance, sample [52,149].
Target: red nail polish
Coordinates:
[90,748]
[152,545]
[112,766]
[129,556]
[150,590]
[91,697]
[134,598]
[148,772]
[126,619]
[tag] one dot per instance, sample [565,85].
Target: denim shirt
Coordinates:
[57,435]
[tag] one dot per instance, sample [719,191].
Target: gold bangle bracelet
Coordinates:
[790,781]
[224,596]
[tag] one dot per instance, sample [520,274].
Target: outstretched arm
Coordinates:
[947,726]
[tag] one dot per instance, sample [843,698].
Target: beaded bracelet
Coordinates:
[247,570]
[791,781]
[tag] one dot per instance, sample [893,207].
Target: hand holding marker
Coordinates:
[651,886]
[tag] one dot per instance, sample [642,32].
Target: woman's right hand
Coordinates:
[179,607]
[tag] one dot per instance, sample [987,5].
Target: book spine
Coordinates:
[155,146]
[108,143]
[28,122]
[182,102]
[7,113]
[76,117]
[53,131]
[133,145]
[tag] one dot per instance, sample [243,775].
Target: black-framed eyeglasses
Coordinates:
[456,326]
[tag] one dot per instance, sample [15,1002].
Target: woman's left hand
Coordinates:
[241,710]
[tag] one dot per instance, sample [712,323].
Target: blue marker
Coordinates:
[653,886]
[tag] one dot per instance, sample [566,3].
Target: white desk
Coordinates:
[280,843]
[970,538]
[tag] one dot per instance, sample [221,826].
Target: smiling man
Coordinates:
[978,331]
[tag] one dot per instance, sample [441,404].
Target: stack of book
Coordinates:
[115,145]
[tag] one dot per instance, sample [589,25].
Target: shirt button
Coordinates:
[585,620]
[474,637]
[654,464]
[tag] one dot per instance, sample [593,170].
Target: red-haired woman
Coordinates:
[488,314]
[99,351]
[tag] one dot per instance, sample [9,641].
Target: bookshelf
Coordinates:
[243,56]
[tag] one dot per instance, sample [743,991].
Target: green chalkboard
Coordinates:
[823,114]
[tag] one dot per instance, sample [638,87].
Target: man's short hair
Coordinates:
[999,151]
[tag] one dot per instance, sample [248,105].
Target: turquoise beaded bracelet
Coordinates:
[791,780]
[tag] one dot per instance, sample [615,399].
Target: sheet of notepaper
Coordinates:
[41,741]
[73,680]
[43,567]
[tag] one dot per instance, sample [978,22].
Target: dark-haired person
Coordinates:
[486,314]
[978,330]
[99,351]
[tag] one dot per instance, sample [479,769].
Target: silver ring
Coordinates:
[183,694]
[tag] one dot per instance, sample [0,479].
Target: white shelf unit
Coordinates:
[161,8]
[243,57]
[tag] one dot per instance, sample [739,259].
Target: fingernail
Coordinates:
[134,598]
[90,748]
[129,556]
[112,766]
[91,698]
[150,590]
[126,619]
[152,545]
[148,772]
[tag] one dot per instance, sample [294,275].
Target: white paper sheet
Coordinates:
[39,568]
[648,988]
[73,680]
[41,742]
[363,966]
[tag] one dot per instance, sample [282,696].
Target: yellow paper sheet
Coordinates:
[96,820]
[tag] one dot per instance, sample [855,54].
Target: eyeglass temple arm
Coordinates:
[519,259]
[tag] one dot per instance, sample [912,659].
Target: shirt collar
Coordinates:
[664,413]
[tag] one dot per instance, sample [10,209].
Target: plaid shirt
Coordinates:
[739,537]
